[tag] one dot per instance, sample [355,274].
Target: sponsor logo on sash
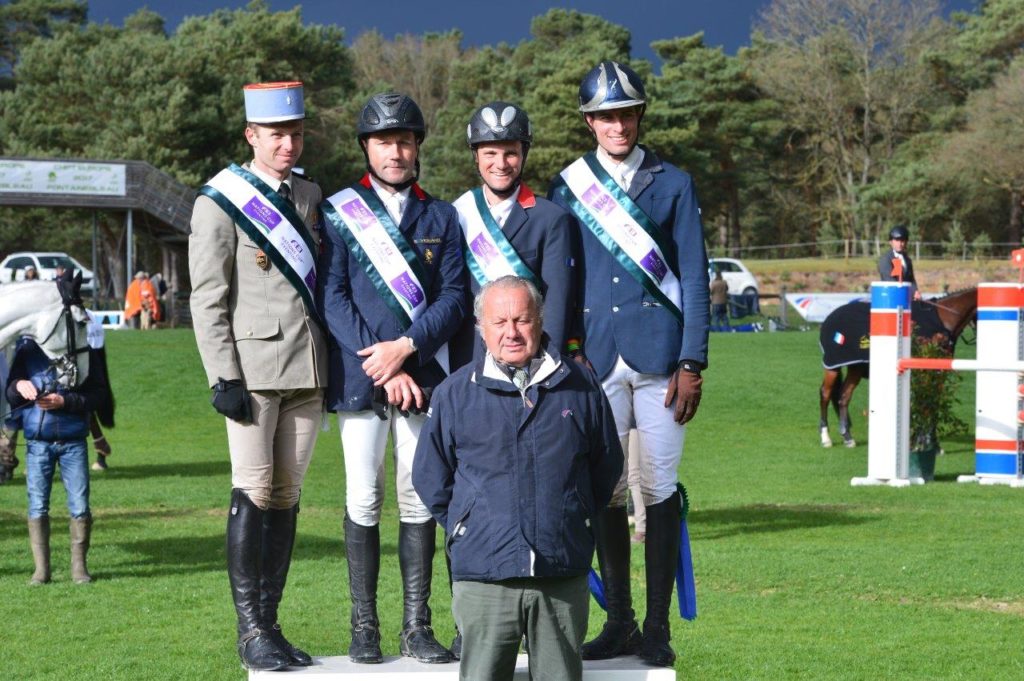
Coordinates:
[261,213]
[484,249]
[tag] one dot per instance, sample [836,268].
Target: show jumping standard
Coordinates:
[845,343]
[999,455]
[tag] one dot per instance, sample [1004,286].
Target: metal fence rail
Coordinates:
[869,248]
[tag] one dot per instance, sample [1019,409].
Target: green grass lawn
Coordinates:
[800,575]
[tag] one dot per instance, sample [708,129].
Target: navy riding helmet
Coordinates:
[611,85]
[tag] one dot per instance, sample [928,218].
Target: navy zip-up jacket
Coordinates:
[53,425]
[514,482]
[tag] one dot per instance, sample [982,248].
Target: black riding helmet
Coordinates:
[899,232]
[500,122]
[391,111]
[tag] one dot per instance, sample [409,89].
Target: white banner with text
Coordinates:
[62,177]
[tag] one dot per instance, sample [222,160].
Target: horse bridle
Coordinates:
[66,365]
[972,323]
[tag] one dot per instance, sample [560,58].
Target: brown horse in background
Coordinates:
[948,316]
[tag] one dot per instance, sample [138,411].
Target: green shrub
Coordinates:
[933,398]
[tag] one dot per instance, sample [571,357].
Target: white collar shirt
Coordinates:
[501,210]
[394,202]
[623,172]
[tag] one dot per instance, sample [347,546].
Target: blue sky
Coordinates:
[724,22]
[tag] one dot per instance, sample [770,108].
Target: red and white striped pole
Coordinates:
[889,389]
[997,443]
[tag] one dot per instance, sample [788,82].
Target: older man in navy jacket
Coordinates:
[393,292]
[518,455]
[645,328]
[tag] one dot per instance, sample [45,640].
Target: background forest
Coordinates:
[838,119]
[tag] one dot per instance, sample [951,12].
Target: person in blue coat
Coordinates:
[509,230]
[55,420]
[517,458]
[392,291]
[645,332]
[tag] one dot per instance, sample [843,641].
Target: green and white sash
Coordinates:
[622,227]
[489,254]
[271,222]
[387,258]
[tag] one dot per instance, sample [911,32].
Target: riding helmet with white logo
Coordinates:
[499,122]
[611,85]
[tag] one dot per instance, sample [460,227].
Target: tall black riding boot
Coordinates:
[362,552]
[662,554]
[256,648]
[276,558]
[621,634]
[416,544]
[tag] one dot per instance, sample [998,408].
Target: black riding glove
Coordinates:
[379,402]
[231,399]
[427,392]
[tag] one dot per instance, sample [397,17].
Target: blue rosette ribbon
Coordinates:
[686,585]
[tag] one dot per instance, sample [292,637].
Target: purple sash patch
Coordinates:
[261,213]
[655,265]
[598,200]
[483,249]
[407,288]
[358,211]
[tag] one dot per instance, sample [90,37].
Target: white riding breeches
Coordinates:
[638,401]
[364,438]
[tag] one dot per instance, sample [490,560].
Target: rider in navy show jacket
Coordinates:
[656,385]
[431,228]
[616,307]
[545,238]
[528,481]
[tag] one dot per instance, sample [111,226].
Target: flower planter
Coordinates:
[922,463]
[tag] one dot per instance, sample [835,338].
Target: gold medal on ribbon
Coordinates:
[262,261]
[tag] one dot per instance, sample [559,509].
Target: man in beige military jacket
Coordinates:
[255,236]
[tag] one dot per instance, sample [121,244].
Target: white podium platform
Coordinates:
[340,668]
